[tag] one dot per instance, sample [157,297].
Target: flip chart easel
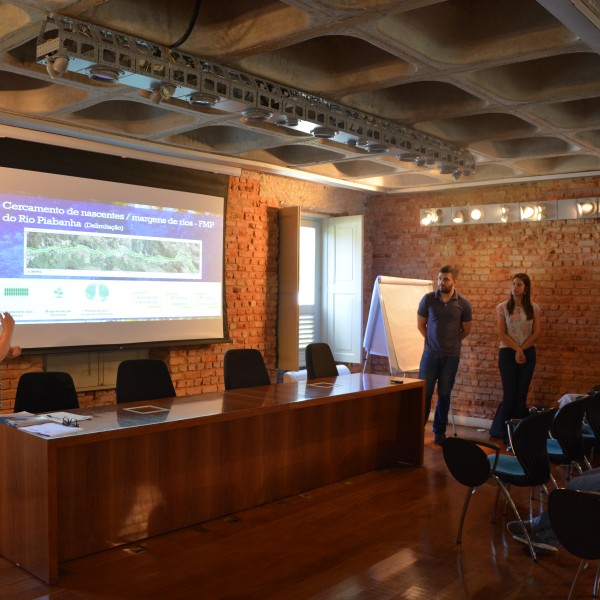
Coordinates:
[392,324]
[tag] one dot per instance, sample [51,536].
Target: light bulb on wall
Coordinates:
[532,212]
[458,216]
[431,216]
[476,214]
[586,208]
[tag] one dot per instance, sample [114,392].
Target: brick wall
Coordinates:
[561,257]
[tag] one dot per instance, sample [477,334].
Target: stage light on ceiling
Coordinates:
[323,132]
[587,207]
[257,114]
[57,67]
[203,99]
[162,93]
[104,74]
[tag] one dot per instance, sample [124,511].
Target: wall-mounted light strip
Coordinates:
[551,210]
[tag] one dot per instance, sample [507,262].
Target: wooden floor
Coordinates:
[382,535]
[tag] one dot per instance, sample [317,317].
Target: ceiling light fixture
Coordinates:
[257,114]
[57,67]
[587,207]
[104,74]
[162,93]
[203,99]
[143,64]
[324,132]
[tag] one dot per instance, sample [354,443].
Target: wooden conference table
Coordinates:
[125,475]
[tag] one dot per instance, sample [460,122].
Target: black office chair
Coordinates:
[143,379]
[575,519]
[530,464]
[592,415]
[567,446]
[244,367]
[319,361]
[45,391]
[468,463]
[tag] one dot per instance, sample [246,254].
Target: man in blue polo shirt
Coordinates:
[444,319]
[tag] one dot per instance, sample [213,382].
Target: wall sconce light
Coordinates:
[458,216]
[476,214]
[431,216]
[532,212]
[587,207]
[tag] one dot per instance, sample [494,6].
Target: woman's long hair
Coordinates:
[527,306]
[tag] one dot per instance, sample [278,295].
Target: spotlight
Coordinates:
[325,133]
[420,162]
[257,114]
[458,216]
[586,208]
[456,174]
[203,99]
[57,66]
[476,214]
[407,157]
[532,212]
[104,74]
[162,93]
[431,216]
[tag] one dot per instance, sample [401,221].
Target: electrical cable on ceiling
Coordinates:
[190,27]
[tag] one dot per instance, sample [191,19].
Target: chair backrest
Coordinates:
[592,413]
[46,391]
[143,379]
[529,441]
[575,519]
[467,461]
[566,429]
[244,367]
[319,361]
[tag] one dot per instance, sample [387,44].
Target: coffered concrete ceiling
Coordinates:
[508,80]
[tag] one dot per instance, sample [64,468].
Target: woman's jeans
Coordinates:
[441,369]
[516,379]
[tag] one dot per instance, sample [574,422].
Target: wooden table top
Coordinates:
[225,406]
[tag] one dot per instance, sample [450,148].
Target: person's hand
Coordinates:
[520,357]
[14,352]
[7,322]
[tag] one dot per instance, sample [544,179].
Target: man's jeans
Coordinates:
[441,369]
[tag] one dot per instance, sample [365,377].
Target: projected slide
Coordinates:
[79,251]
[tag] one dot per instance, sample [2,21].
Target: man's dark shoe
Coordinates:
[439,438]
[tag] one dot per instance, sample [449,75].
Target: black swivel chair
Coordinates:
[567,446]
[530,464]
[143,379]
[319,361]
[244,367]
[468,463]
[45,391]
[592,414]
[575,520]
